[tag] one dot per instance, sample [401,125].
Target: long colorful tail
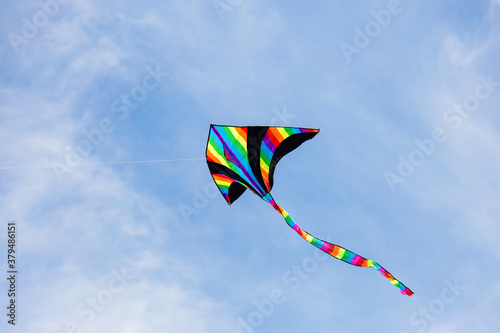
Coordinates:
[337,251]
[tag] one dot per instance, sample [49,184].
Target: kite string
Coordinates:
[103,163]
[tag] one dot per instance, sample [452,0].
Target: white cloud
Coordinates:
[462,54]
[199,277]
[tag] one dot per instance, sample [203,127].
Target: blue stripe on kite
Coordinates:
[264,148]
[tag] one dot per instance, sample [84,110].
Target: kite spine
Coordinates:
[336,251]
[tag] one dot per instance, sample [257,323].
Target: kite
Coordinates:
[241,158]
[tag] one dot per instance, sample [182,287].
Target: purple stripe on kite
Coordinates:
[325,246]
[269,144]
[296,227]
[265,149]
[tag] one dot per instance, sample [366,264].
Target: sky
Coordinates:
[105,110]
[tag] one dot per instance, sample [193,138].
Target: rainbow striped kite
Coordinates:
[245,157]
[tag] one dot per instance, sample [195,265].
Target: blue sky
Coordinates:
[404,170]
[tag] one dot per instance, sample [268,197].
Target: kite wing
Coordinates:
[246,157]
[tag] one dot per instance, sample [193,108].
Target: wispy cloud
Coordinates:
[76,235]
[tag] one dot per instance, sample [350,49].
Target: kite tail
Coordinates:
[337,251]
